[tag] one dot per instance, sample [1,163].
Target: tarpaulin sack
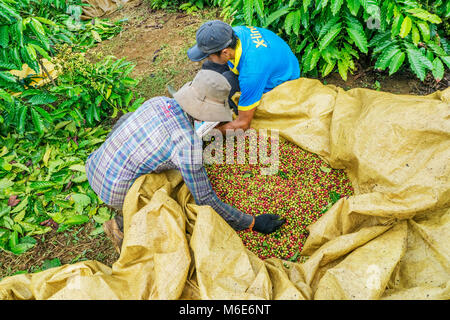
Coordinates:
[388,241]
[98,8]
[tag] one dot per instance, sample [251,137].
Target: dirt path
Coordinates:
[157,42]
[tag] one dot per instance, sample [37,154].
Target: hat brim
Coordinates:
[202,110]
[195,54]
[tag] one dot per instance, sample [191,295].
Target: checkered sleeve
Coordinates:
[194,175]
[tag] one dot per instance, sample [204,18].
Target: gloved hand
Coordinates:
[268,223]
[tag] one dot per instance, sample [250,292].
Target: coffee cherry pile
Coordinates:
[301,191]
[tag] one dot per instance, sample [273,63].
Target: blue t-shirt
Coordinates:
[263,61]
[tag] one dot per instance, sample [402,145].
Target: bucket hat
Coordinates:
[206,97]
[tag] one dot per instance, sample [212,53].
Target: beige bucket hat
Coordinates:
[206,97]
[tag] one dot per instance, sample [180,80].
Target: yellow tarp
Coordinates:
[391,240]
[98,8]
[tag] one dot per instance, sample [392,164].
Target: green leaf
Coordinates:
[24,244]
[438,69]
[327,26]
[44,114]
[81,201]
[288,22]
[424,15]
[353,6]
[315,56]
[274,16]
[415,35]
[21,166]
[37,27]
[4,211]
[31,52]
[418,63]
[96,36]
[325,169]
[74,220]
[18,34]
[424,29]
[13,239]
[396,26]
[343,67]
[446,60]
[22,205]
[4,36]
[336,6]
[359,37]
[328,68]
[47,264]
[5,183]
[46,21]
[102,216]
[405,27]
[248,12]
[38,185]
[19,217]
[297,22]
[259,6]
[6,96]
[330,36]
[396,62]
[41,51]
[22,118]
[80,178]
[136,104]
[306,4]
[42,98]
[334,196]
[436,49]
[356,32]
[37,121]
[385,58]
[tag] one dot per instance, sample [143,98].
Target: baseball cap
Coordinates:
[206,97]
[212,36]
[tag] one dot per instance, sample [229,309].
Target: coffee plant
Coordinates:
[43,184]
[46,132]
[85,92]
[330,35]
[30,30]
[191,6]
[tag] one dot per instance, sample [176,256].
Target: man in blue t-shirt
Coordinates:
[254,61]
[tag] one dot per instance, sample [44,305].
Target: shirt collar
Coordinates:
[237,58]
[188,117]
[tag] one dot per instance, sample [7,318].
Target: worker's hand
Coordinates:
[268,223]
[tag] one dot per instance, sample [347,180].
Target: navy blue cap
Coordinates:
[211,37]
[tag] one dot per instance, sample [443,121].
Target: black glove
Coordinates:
[268,223]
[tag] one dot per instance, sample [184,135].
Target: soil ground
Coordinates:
[157,42]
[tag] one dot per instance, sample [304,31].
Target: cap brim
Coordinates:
[195,54]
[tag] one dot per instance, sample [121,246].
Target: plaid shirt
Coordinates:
[156,137]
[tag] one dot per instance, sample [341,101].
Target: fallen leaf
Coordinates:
[13,201]
[325,169]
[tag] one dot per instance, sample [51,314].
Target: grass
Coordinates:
[58,248]
[171,66]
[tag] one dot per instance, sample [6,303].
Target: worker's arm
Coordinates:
[243,121]
[252,88]
[194,175]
